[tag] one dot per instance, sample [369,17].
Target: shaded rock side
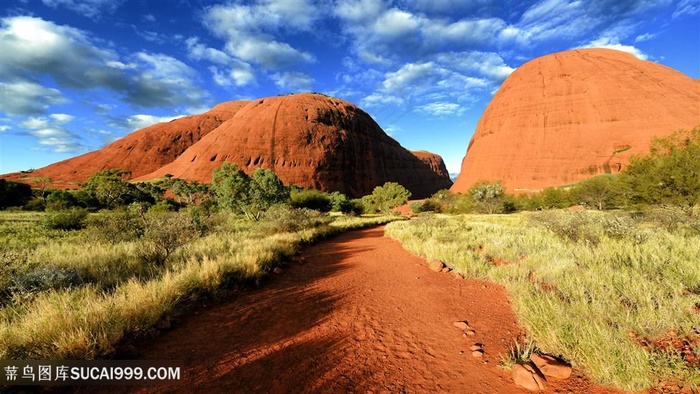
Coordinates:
[310,140]
[140,152]
[567,116]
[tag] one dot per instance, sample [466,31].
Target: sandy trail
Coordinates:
[360,315]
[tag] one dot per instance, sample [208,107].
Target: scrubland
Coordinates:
[617,294]
[77,294]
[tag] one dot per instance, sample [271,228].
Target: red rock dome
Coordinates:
[567,116]
[140,152]
[314,141]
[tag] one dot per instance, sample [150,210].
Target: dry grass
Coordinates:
[581,284]
[123,294]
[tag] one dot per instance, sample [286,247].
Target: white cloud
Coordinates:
[49,132]
[293,81]
[392,129]
[645,37]
[89,8]
[58,139]
[24,97]
[408,75]
[687,7]
[4,128]
[489,64]
[441,109]
[376,99]
[251,31]
[62,118]
[198,51]
[140,121]
[607,43]
[34,48]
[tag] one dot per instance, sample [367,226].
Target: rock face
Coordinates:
[567,116]
[142,151]
[311,140]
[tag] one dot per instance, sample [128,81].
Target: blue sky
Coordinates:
[78,74]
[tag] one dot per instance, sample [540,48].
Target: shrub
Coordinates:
[35,204]
[488,197]
[425,206]
[58,200]
[574,226]
[283,218]
[353,207]
[68,219]
[119,225]
[311,199]
[47,277]
[386,197]
[165,232]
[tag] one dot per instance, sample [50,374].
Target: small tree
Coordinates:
[601,192]
[488,197]
[386,197]
[237,192]
[42,184]
[110,187]
[670,174]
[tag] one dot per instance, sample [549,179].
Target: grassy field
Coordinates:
[76,294]
[615,294]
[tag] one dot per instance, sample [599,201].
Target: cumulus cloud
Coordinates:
[50,132]
[34,48]
[382,35]
[488,64]
[293,81]
[25,97]
[88,8]
[251,31]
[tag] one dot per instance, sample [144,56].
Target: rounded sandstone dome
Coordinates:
[144,150]
[310,140]
[567,116]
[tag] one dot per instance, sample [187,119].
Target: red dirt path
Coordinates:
[360,315]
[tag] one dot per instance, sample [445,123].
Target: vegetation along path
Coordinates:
[356,313]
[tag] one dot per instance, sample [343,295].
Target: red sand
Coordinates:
[360,315]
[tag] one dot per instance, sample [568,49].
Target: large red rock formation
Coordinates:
[142,151]
[567,116]
[314,141]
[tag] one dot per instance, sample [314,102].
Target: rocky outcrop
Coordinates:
[142,151]
[314,141]
[567,116]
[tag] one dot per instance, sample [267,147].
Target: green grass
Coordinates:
[580,283]
[71,295]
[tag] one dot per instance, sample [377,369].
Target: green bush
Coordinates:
[165,232]
[35,204]
[119,225]
[58,200]
[386,197]
[68,219]
[574,226]
[426,206]
[311,199]
[283,218]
